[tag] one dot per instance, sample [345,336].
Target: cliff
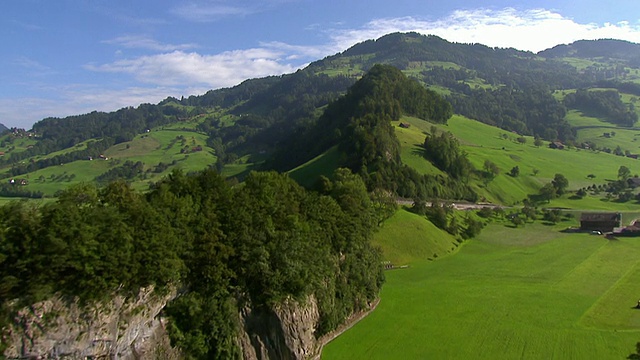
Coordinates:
[123,328]
[132,328]
[285,331]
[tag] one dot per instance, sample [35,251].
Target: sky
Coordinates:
[69,57]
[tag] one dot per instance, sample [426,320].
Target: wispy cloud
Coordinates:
[144,42]
[181,68]
[28,26]
[31,64]
[208,12]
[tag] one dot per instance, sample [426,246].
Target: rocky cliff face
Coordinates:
[124,328]
[283,332]
[130,328]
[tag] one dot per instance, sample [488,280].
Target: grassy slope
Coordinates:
[529,293]
[160,145]
[483,142]
[324,164]
[406,238]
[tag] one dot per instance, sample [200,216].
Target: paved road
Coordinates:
[456,205]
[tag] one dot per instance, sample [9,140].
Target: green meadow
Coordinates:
[538,165]
[407,238]
[171,145]
[531,293]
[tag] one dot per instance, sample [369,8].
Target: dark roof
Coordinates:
[600,217]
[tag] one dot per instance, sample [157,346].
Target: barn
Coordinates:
[604,222]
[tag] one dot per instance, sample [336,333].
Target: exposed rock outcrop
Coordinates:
[286,331]
[123,328]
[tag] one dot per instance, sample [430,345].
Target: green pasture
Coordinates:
[149,148]
[412,152]
[15,145]
[527,293]
[325,164]
[483,142]
[407,238]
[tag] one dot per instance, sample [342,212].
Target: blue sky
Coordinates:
[69,57]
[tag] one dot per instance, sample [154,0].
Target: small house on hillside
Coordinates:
[556,145]
[405,125]
[604,222]
[633,182]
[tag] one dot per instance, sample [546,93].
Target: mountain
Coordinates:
[3,128]
[250,126]
[605,49]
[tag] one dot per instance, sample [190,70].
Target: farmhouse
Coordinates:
[556,145]
[633,182]
[604,222]
[405,125]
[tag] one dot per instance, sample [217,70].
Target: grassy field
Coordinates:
[483,142]
[408,238]
[532,293]
[166,145]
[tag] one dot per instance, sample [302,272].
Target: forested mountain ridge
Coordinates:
[623,51]
[241,127]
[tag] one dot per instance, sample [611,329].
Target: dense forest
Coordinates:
[223,244]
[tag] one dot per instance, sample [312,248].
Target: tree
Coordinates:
[552,215]
[548,192]
[473,227]
[491,170]
[560,183]
[538,142]
[529,212]
[515,171]
[535,171]
[516,220]
[624,173]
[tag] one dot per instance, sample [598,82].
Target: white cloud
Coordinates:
[193,69]
[144,42]
[532,30]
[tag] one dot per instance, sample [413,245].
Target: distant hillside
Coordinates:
[592,49]
[280,122]
[3,128]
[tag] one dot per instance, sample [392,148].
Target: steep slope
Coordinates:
[359,124]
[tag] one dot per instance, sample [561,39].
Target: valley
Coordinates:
[279,196]
[526,293]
